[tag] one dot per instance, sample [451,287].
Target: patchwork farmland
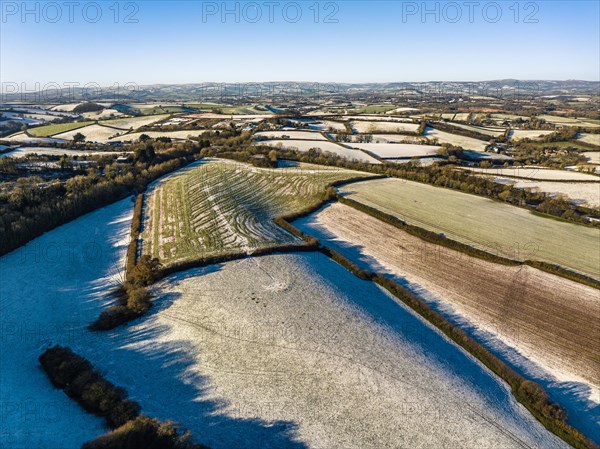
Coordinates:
[542,316]
[498,228]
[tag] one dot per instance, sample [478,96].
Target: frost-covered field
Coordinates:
[50,290]
[92,133]
[383,127]
[299,135]
[217,207]
[502,229]
[305,145]
[22,137]
[134,122]
[325,125]
[584,193]
[533,134]
[544,174]
[103,114]
[293,351]
[377,118]
[496,132]
[398,150]
[593,156]
[132,137]
[48,151]
[468,143]
[534,320]
[593,139]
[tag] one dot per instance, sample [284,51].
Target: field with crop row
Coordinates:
[219,207]
[499,228]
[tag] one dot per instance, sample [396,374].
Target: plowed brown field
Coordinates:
[550,320]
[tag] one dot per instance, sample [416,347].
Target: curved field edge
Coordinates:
[530,394]
[224,208]
[432,237]
[326,360]
[534,246]
[538,323]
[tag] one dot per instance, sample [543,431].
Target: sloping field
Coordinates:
[50,130]
[305,145]
[393,138]
[54,287]
[219,207]
[493,132]
[131,137]
[49,151]
[468,143]
[325,125]
[571,121]
[383,127]
[22,137]
[584,193]
[134,122]
[533,134]
[92,133]
[543,174]
[299,135]
[593,139]
[495,227]
[103,114]
[544,317]
[292,351]
[377,118]
[593,156]
[398,150]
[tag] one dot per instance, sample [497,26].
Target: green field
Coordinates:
[162,110]
[50,130]
[495,227]
[218,207]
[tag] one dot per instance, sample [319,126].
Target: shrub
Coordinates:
[143,433]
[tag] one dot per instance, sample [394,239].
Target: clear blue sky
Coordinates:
[172,42]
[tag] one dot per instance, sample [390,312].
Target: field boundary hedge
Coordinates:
[136,227]
[432,237]
[84,384]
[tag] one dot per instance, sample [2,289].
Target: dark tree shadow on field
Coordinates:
[163,377]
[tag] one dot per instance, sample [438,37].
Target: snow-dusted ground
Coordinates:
[305,145]
[281,351]
[398,150]
[293,351]
[50,290]
[299,135]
